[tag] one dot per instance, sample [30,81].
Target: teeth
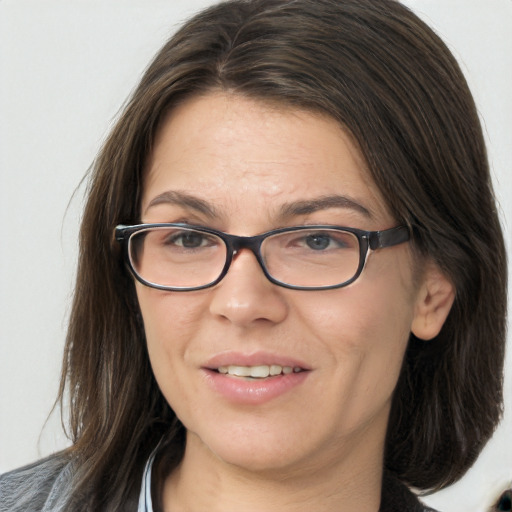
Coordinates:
[257,372]
[275,369]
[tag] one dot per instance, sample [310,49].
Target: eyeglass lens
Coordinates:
[180,257]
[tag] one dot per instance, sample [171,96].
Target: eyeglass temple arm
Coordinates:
[389,237]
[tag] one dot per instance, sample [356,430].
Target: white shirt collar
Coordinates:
[145,502]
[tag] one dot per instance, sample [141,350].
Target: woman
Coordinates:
[290,292]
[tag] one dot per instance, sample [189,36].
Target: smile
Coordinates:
[258,372]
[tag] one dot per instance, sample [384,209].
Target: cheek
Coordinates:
[171,321]
[365,329]
[167,315]
[359,319]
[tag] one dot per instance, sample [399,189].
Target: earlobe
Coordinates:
[433,303]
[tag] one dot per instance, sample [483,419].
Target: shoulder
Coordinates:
[38,487]
[396,497]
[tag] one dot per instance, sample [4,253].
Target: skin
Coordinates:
[319,446]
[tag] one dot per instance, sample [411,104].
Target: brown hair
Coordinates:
[392,83]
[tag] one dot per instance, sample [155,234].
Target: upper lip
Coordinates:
[253,359]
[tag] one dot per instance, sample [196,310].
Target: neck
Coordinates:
[351,482]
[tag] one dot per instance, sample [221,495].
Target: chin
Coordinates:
[270,453]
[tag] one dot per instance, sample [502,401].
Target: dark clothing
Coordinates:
[396,497]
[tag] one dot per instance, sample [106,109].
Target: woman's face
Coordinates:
[244,167]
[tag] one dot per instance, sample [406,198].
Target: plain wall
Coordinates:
[66,67]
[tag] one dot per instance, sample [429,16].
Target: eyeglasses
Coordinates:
[181,257]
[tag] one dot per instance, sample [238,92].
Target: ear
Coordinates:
[433,303]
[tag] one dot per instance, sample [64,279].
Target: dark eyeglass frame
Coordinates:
[368,240]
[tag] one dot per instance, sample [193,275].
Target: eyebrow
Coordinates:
[322,203]
[183,199]
[303,207]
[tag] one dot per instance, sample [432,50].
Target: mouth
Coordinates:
[254,378]
[257,372]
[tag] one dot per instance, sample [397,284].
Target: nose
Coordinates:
[245,297]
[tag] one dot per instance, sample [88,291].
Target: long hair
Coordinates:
[389,80]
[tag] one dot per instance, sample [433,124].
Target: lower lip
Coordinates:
[253,391]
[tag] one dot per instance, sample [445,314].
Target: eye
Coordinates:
[189,239]
[318,242]
[328,240]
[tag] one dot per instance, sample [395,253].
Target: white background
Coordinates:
[66,67]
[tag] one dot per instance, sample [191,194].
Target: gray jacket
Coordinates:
[42,486]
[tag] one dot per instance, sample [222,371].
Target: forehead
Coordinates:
[226,148]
